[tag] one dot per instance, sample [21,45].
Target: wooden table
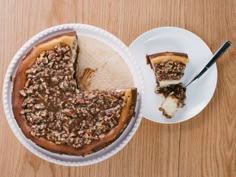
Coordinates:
[202,146]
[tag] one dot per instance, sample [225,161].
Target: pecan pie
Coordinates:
[169,69]
[55,113]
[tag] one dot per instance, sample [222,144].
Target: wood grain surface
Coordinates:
[204,146]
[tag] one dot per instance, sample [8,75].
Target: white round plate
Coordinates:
[174,39]
[114,43]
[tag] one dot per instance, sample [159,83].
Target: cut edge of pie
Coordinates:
[169,69]
[105,139]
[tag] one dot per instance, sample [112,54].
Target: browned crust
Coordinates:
[166,56]
[17,100]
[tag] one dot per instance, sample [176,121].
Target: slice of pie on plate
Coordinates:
[169,69]
[54,113]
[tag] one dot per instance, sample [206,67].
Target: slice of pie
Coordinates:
[169,69]
[54,113]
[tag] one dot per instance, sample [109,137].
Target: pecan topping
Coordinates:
[169,70]
[56,110]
